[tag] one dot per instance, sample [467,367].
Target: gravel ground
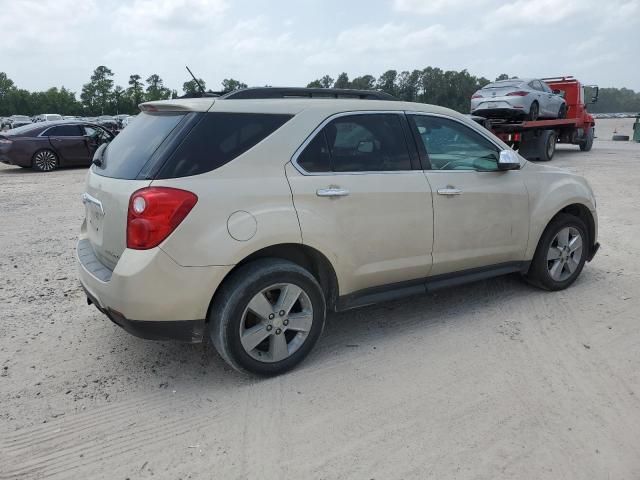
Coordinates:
[493,380]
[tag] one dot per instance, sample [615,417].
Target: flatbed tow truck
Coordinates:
[537,139]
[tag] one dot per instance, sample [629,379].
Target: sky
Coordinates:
[46,43]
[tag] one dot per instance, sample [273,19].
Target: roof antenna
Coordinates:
[196,80]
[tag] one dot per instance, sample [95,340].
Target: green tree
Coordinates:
[191,87]
[230,85]
[156,89]
[315,84]
[342,81]
[366,82]
[502,76]
[135,92]
[387,82]
[97,93]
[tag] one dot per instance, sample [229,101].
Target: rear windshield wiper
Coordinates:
[97,157]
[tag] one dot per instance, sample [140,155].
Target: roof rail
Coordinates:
[300,92]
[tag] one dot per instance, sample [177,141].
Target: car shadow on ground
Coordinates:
[15,170]
[347,335]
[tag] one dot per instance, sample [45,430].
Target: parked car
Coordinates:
[15,121]
[108,122]
[45,146]
[48,117]
[518,98]
[127,121]
[247,221]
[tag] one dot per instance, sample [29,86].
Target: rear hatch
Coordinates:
[497,90]
[125,165]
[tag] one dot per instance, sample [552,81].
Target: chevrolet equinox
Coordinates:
[246,218]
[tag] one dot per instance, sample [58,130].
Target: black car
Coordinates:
[45,146]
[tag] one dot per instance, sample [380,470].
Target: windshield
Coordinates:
[24,129]
[21,118]
[128,153]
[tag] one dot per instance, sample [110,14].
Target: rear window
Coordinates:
[128,153]
[504,84]
[217,139]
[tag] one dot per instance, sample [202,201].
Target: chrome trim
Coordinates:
[332,192]
[312,135]
[449,190]
[91,200]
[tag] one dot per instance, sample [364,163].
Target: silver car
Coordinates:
[518,97]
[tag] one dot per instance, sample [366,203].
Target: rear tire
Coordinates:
[44,160]
[561,253]
[587,143]
[249,326]
[534,112]
[562,113]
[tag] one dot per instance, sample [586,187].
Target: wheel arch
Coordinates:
[576,209]
[303,255]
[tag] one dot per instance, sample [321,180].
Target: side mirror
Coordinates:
[508,160]
[365,146]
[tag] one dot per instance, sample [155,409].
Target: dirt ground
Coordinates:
[492,380]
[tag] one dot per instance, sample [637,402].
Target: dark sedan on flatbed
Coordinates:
[45,146]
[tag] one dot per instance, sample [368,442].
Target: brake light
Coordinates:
[519,93]
[155,212]
[476,95]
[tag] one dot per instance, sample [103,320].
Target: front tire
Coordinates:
[587,143]
[44,161]
[561,253]
[267,317]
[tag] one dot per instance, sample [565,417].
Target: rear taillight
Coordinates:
[155,212]
[519,93]
[476,95]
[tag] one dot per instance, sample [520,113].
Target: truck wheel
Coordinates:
[534,111]
[550,143]
[267,316]
[561,253]
[587,143]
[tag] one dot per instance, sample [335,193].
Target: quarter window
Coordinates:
[217,139]
[358,143]
[450,145]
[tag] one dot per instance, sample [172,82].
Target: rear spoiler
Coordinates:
[201,104]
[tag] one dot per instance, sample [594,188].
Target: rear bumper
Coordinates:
[191,331]
[150,295]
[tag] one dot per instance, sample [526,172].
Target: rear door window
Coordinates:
[217,139]
[358,143]
[64,131]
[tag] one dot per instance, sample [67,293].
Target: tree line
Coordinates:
[453,89]
[100,95]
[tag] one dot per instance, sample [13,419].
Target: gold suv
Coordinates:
[246,218]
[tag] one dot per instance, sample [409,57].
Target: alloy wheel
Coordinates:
[45,160]
[276,322]
[565,253]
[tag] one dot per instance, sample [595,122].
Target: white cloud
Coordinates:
[424,7]
[535,12]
